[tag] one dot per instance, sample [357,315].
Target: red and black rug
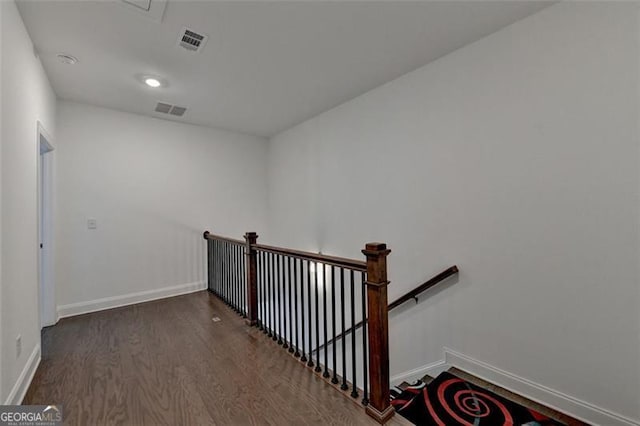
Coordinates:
[449,401]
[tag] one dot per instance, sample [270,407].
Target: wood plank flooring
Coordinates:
[167,363]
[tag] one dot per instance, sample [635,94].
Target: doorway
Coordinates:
[47,299]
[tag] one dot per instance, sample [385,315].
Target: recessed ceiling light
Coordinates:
[67,59]
[152,82]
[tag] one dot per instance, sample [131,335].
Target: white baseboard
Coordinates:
[128,299]
[432,369]
[552,398]
[24,379]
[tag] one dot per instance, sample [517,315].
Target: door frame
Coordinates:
[46,284]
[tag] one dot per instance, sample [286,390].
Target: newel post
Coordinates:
[252,278]
[205,235]
[379,402]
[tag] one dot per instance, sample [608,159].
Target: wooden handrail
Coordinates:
[424,286]
[356,265]
[343,262]
[399,301]
[209,236]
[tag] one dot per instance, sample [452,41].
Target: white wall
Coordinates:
[515,158]
[1,338]
[26,98]
[153,186]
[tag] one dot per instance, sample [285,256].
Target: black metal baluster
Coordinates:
[270,290]
[209,269]
[243,274]
[222,274]
[259,289]
[226,274]
[289,283]
[365,360]
[239,282]
[243,304]
[354,385]
[217,262]
[295,307]
[208,264]
[344,329]
[232,287]
[274,287]
[334,379]
[236,278]
[216,254]
[315,284]
[215,267]
[280,290]
[303,357]
[310,362]
[284,306]
[229,276]
[324,303]
[276,312]
[232,279]
[265,296]
[272,299]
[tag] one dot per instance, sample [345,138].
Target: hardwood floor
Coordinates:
[167,363]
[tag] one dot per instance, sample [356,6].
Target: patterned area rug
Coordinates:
[449,401]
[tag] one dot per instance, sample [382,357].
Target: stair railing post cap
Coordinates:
[375,249]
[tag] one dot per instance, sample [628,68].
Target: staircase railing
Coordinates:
[413,294]
[300,298]
[226,271]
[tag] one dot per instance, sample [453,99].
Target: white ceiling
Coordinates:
[266,66]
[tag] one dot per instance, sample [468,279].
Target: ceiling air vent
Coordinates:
[191,40]
[164,108]
[178,111]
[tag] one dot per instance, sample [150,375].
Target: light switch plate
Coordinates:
[92,224]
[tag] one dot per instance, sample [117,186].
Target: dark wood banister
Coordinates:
[399,301]
[424,287]
[209,236]
[356,265]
